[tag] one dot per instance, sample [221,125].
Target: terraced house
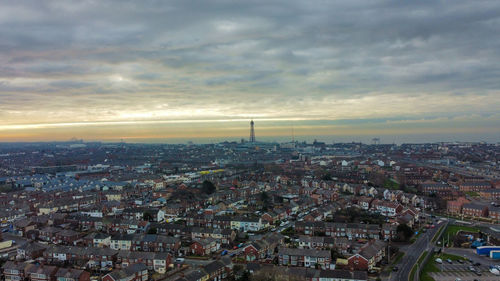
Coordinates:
[248,224]
[304,257]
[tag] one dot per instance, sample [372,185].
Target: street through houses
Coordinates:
[413,252]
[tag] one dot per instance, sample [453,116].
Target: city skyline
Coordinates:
[168,72]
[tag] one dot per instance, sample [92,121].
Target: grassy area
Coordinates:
[452,230]
[432,266]
[438,234]
[398,258]
[429,267]
[288,231]
[6,188]
[391,184]
[472,193]
[419,233]
[414,268]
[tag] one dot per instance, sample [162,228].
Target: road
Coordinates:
[413,252]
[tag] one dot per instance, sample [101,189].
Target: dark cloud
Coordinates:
[273,58]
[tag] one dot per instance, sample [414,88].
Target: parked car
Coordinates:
[494,271]
[449,261]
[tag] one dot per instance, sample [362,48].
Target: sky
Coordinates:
[172,71]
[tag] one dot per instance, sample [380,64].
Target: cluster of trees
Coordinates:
[404,232]
[265,201]
[208,187]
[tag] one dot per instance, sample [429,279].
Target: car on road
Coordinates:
[395,268]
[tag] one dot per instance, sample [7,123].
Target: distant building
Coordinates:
[474,186]
[475,210]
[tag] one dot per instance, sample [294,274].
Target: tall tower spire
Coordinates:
[252,132]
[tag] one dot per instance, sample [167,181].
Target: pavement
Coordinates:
[450,272]
[413,252]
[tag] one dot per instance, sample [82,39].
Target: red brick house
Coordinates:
[66,237]
[357,262]
[474,186]
[204,247]
[490,194]
[494,213]
[368,256]
[455,207]
[270,217]
[475,210]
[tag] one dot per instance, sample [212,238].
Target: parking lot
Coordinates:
[457,270]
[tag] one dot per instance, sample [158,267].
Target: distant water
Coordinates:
[329,139]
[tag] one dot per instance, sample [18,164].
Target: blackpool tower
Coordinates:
[252,132]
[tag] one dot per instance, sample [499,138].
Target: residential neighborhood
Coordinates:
[225,211]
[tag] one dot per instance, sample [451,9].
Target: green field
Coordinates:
[452,230]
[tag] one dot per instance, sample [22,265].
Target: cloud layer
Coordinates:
[123,61]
